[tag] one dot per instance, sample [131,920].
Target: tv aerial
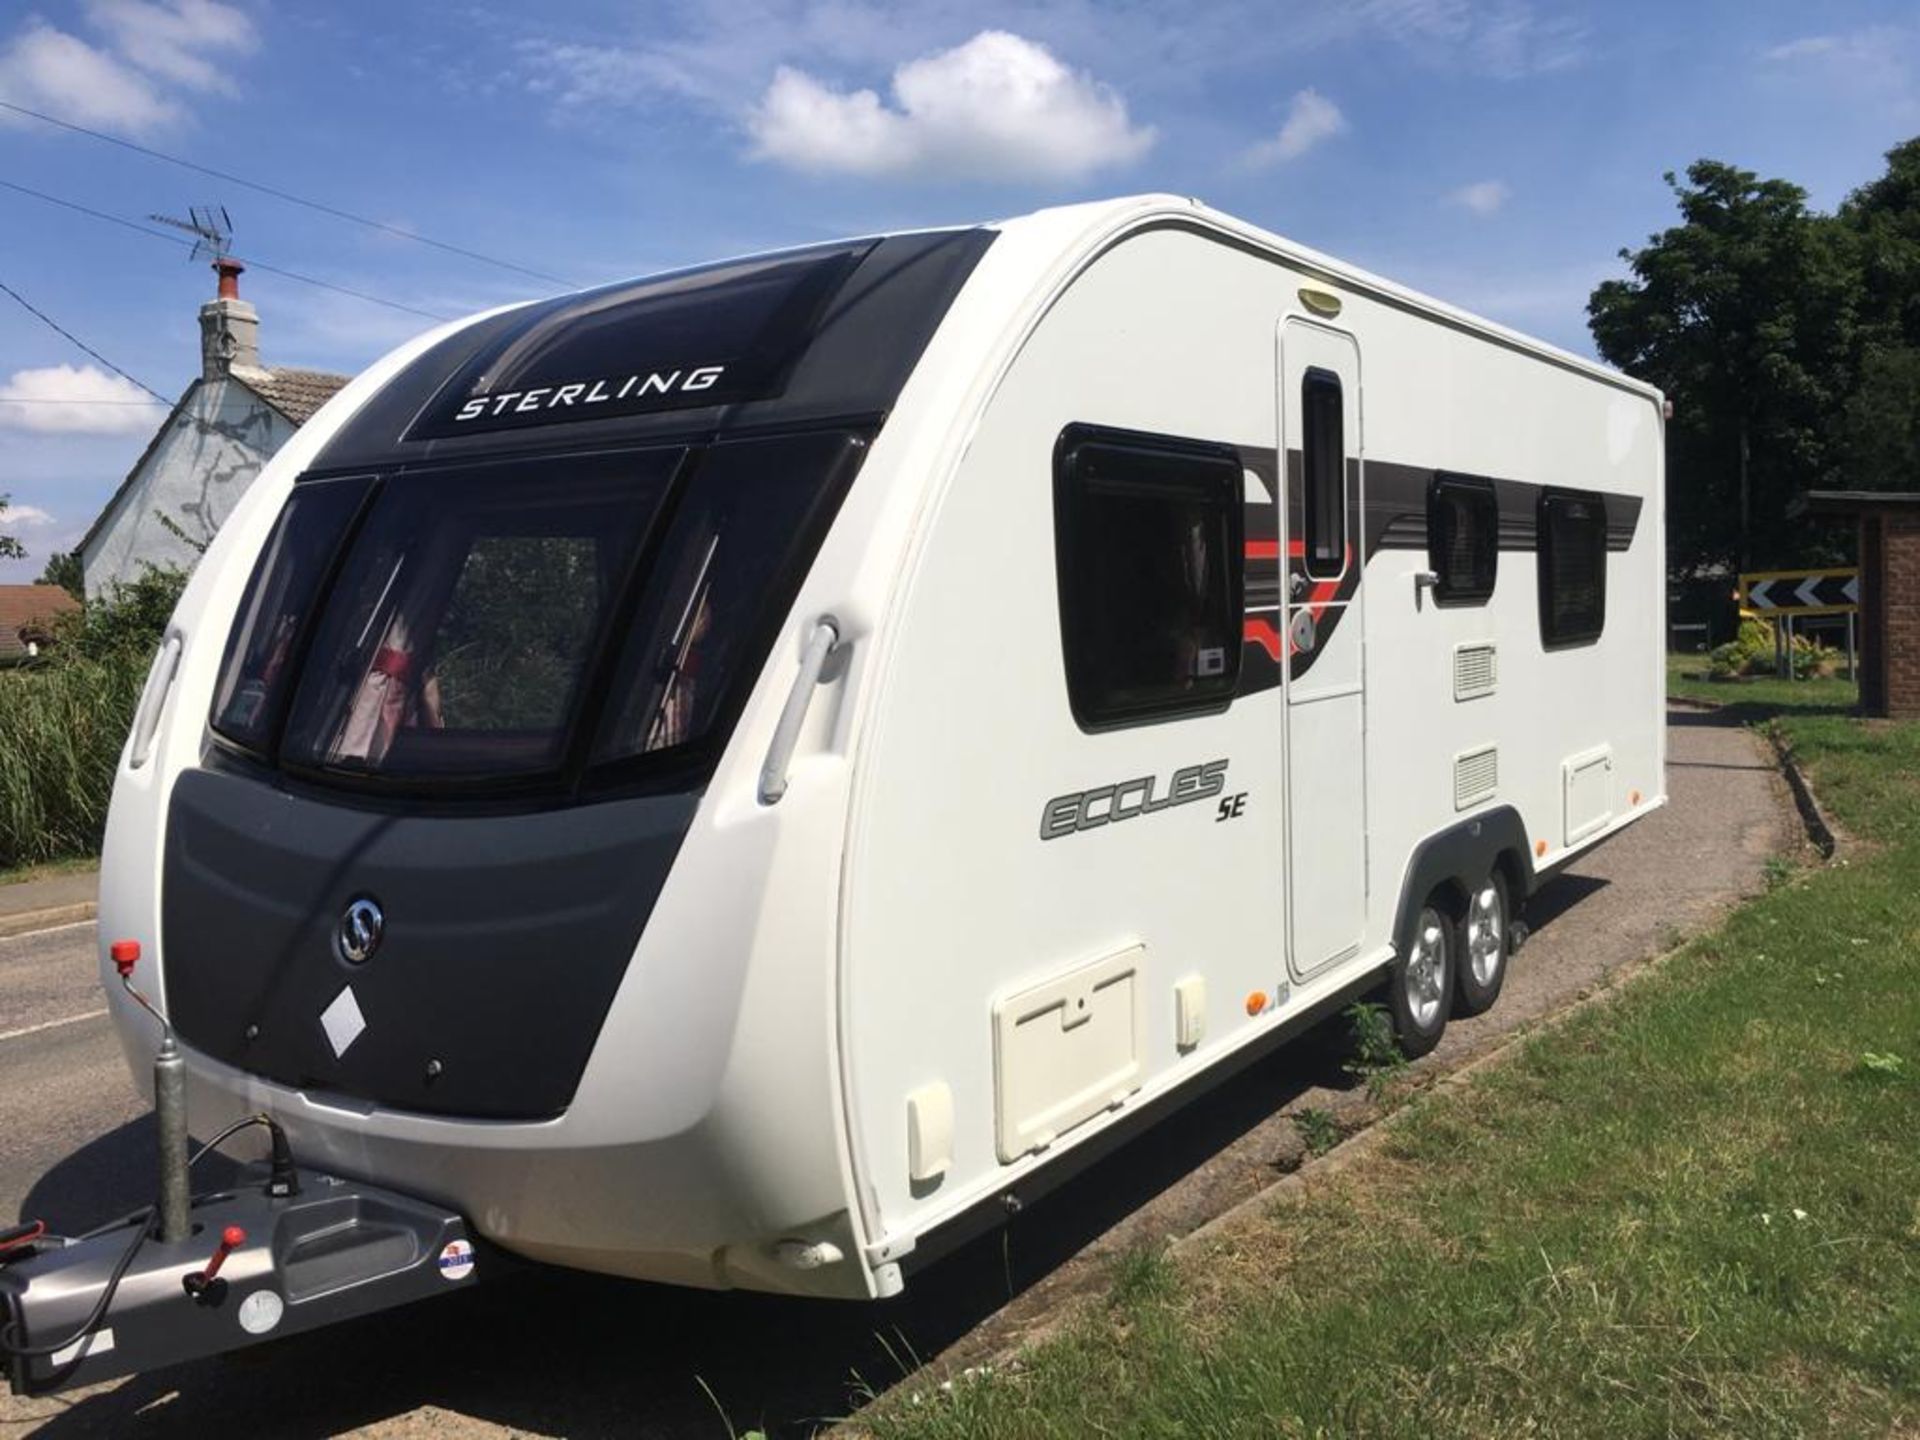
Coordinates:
[211,228]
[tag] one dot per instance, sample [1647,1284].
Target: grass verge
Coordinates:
[1763,694]
[1692,1211]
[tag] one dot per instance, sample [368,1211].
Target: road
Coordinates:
[562,1354]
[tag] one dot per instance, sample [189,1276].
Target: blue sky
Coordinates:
[1496,153]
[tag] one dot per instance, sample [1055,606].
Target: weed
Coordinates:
[1319,1131]
[1142,1273]
[1779,870]
[1376,1057]
[1883,1062]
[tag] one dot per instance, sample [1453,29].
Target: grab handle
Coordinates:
[773,774]
[153,701]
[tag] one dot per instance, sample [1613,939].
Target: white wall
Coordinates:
[211,451]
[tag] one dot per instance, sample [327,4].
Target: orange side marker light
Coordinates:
[1633,797]
[1539,847]
[1256,1002]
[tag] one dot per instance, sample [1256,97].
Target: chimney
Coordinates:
[229,327]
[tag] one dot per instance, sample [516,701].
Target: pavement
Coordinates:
[29,905]
[556,1353]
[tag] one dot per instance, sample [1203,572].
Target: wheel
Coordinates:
[1484,940]
[1420,990]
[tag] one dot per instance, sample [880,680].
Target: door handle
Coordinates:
[786,734]
[1297,585]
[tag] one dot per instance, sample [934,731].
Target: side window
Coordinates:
[1463,538]
[1323,455]
[1573,567]
[1148,542]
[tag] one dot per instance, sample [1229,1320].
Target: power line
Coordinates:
[287,196]
[60,329]
[251,264]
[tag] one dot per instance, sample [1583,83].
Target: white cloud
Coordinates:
[182,41]
[1482,197]
[27,517]
[48,69]
[124,85]
[998,107]
[63,399]
[1311,118]
[1877,60]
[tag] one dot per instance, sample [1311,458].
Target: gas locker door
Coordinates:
[1326,783]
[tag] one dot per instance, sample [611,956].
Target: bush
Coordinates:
[64,720]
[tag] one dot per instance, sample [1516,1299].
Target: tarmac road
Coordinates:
[553,1353]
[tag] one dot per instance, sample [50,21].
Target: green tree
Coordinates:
[1744,314]
[63,569]
[10,548]
[1878,444]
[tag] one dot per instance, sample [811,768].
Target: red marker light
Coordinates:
[125,954]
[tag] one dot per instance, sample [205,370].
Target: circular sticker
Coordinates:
[261,1311]
[456,1260]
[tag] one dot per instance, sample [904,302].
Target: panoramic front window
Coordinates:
[1147,531]
[463,624]
[484,623]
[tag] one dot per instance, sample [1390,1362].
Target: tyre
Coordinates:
[1483,940]
[1420,988]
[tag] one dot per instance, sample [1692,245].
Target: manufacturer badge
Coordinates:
[360,930]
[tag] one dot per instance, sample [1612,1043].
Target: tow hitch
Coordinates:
[285,1250]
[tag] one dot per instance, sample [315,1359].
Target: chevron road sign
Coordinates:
[1801,592]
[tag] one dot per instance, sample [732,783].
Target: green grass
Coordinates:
[1693,1210]
[20,874]
[1687,679]
[61,730]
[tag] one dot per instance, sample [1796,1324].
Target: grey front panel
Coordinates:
[505,938]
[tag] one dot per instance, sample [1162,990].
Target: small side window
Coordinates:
[1148,541]
[1573,567]
[1323,454]
[1463,538]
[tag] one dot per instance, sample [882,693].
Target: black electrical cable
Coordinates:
[142,1222]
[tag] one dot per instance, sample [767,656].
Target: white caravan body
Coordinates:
[1025,782]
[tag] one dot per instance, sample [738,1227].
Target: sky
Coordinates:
[1494,153]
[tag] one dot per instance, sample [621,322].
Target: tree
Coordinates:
[10,548]
[63,569]
[1744,314]
[1878,446]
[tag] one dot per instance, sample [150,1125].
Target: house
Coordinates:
[213,443]
[27,613]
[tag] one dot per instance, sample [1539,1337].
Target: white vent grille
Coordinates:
[1476,776]
[1476,670]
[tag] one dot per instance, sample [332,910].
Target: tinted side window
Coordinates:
[1147,534]
[1323,451]
[1463,538]
[1573,567]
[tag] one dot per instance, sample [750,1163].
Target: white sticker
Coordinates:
[261,1311]
[342,1021]
[98,1343]
[456,1260]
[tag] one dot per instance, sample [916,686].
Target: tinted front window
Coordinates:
[262,657]
[751,516]
[463,624]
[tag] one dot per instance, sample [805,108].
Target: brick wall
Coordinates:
[1900,607]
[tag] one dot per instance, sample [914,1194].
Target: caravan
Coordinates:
[726,778]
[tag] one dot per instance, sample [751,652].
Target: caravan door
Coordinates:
[1324,674]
